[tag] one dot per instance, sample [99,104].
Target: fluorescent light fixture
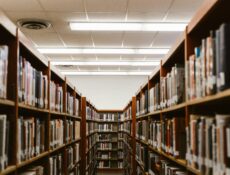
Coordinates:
[150,51]
[126,26]
[104,73]
[106,63]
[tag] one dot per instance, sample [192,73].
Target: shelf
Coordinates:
[73,116]
[91,133]
[107,141]
[180,162]
[180,106]
[211,98]
[72,142]
[7,102]
[142,142]
[56,149]
[58,113]
[32,108]
[107,150]
[8,170]
[107,132]
[193,170]
[140,165]
[24,163]
[90,148]
[100,121]
[109,159]
[148,114]
[126,120]
[91,120]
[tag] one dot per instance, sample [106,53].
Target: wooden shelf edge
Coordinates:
[32,108]
[7,102]
[58,113]
[9,169]
[56,149]
[24,163]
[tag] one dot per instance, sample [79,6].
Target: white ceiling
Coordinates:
[60,13]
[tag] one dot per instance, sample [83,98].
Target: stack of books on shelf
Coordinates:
[108,117]
[4,51]
[172,87]
[32,85]
[56,97]
[144,102]
[56,133]
[35,170]
[173,137]
[4,141]
[77,130]
[70,157]
[69,131]
[31,137]
[208,143]
[154,163]
[56,164]
[154,98]
[167,168]
[105,146]
[142,155]
[69,103]
[155,134]
[77,106]
[207,69]
[141,129]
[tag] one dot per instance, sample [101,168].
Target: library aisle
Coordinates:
[176,123]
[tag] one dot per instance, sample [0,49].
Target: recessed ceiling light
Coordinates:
[104,73]
[103,51]
[106,63]
[34,24]
[128,26]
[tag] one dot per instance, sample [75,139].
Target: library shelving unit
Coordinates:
[188,115]
[39,126]
[109,151]
[89,129]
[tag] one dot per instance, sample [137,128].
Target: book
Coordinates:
[31,140]
[4,141]
[56,133]
[56,164]
[32,85]
[35,170]
[4,51]
[56,97]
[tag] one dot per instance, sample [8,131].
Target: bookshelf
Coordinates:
[109,156]
[183,119]
[39,133]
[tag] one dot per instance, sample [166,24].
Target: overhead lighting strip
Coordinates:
[105,63]
[127,26]
[150,51]
[104,73]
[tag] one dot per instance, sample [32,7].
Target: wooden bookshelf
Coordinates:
[18,43]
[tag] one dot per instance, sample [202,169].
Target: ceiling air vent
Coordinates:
[34,24]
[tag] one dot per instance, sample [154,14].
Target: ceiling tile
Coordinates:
[166,39]
[109,16]
[106,5]
[145,16]
[14,16]
[22,5]
[46,40]
[186,5]
[88,68]
[77,39]
[59,57]
[107,39]
[60,5]
[148,5]
[138,39]
[109,68]
[66,16]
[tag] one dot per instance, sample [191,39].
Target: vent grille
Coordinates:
[34,24]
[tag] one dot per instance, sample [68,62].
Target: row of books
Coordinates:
[72,107]
[91,141]
[127,113]
[32,85]
[91,114]
[127,127]
[142,155]
[31,137]
[106,137]
[91,127]
[108,117]
[4,51]
[76,170]
[72,130]
[35,170]
[120,145]
[120,154]
[72,156]
[172,88]
[141,129]
[142,103]
[207,69]
[4,141]
[107,127]
[105,146]
[208,143]
[56,133]
[56,97]
[56,164]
